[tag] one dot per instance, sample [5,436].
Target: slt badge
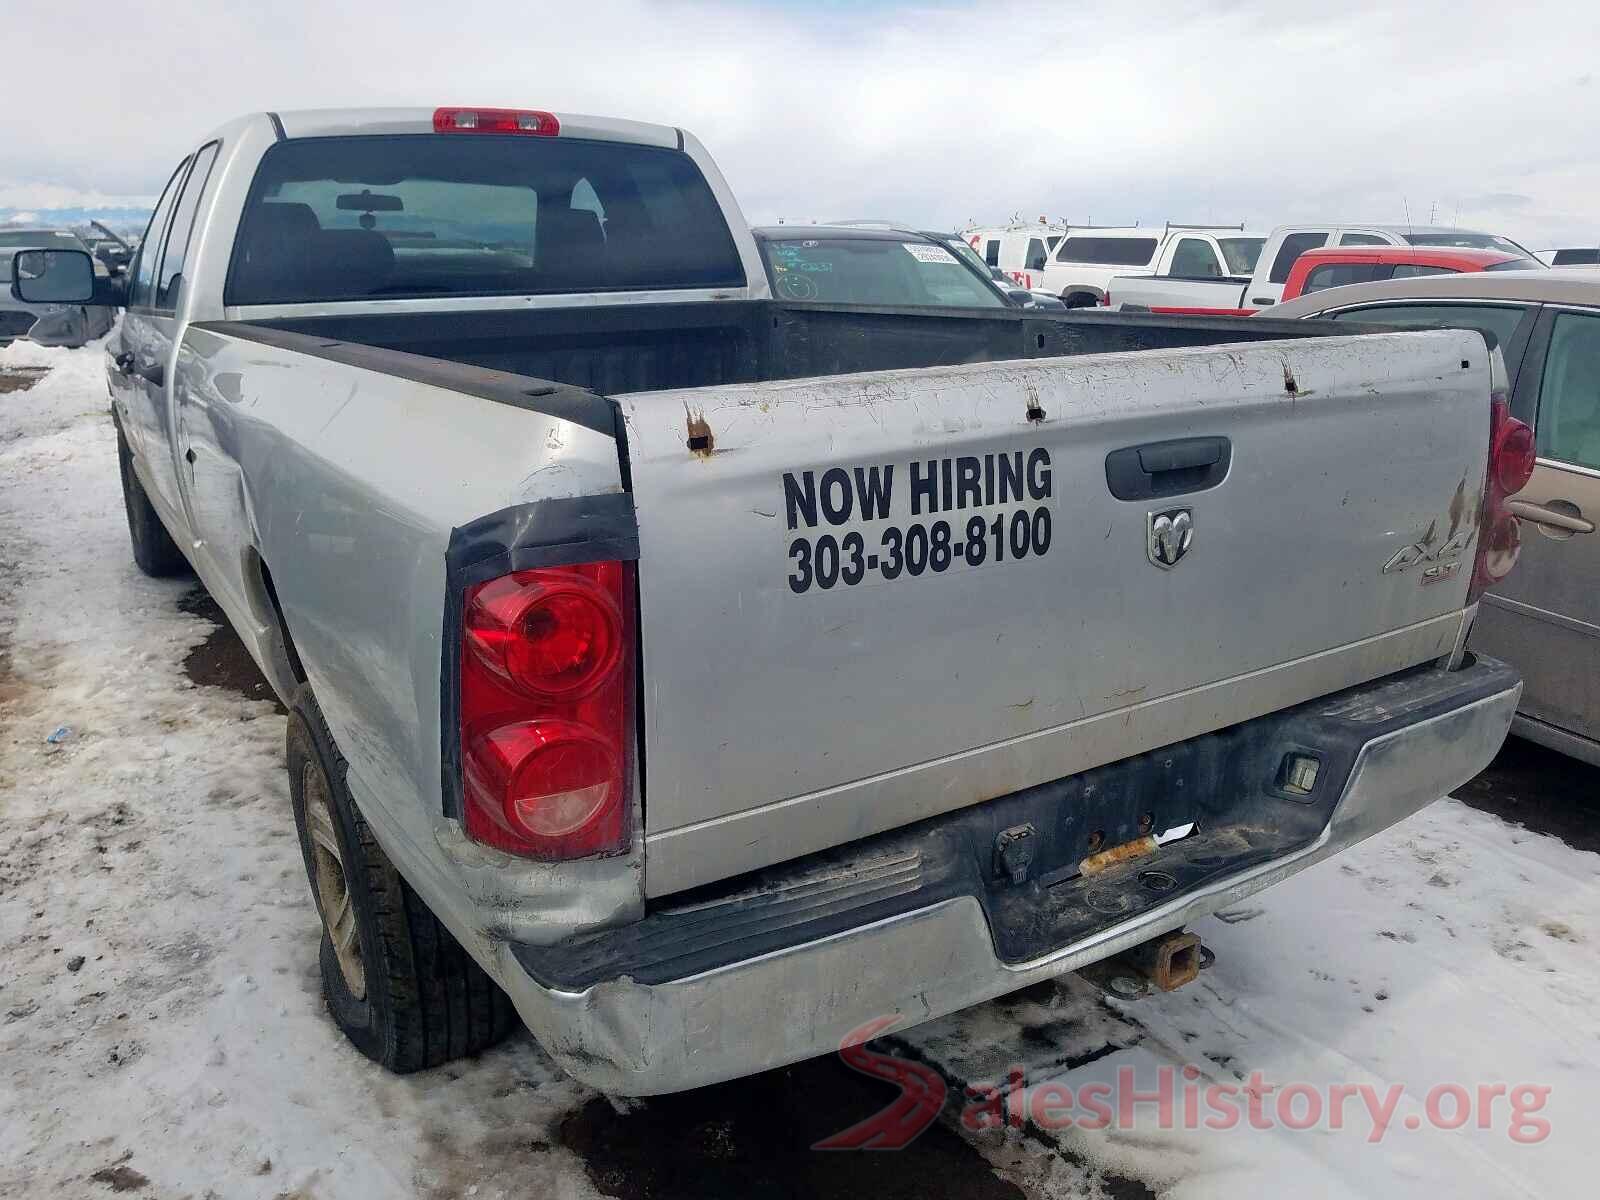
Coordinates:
[1168,536]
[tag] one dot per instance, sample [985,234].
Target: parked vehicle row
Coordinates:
[705,643]
[1318,270]
[1242,293]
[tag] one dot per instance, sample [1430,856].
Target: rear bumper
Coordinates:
[798,1000]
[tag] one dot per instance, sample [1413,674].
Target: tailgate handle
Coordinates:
[1168,468]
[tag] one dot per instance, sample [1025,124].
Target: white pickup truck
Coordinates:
[1181,292]
[1084,262]
[702,677]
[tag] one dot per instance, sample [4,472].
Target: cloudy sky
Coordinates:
[1486,114]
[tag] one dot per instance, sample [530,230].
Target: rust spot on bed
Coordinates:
[1035,410]
[700,440]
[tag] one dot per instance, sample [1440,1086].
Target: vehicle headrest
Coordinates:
[275,251]
[351,262]
[571,245]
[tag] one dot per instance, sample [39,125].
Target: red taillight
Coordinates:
[547,710]
[1511,463]
[1512,456]
[527,121]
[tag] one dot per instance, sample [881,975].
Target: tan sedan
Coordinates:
[1544,619]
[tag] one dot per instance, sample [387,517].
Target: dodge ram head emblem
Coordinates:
[1168,536]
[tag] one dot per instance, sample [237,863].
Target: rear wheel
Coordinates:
[397,983]
[153,548]
[1080,299]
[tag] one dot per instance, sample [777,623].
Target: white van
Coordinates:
[1021,249]
[1088,258]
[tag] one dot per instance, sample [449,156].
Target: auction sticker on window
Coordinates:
[925,253]
[884,522]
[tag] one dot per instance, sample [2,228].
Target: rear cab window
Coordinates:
[1195,259]
[402,216]
[879,271]
[1108,251]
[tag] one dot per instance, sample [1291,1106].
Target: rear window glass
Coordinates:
[1241,253]
[1332,275]
[874,271]
[1502,322]
[1110,251]
[442,215]
[1469,241]
[1416,270]
[1294,245]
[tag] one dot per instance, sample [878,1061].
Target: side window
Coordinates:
[1195,259]
[1576,258]
[1569,392]
[991,253]
[1339,274]
[170,274]
[1294,245]
[1054,239]
[1362,239]
[1501,322]
[143,272]
[1413,270]
[1036,255]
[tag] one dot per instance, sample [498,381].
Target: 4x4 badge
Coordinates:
[1168,536]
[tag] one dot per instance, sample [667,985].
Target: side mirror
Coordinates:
[52,276]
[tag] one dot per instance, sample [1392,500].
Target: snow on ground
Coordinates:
[159,1002]
[160,1018]
[1454,950]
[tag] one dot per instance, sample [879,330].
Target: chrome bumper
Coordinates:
[763,1012]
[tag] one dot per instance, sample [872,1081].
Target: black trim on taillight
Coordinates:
[545,533]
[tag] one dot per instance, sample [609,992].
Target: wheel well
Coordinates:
[286,641]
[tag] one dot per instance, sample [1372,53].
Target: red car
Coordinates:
[1318,269]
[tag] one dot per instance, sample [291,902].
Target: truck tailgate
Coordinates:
[869,599]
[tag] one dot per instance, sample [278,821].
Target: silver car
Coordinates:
[1545,618]
[47,324]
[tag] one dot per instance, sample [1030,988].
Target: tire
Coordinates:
[154,550]
[1080,300]
[412,998]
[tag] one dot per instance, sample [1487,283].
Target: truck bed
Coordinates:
[618,349]
[784,708]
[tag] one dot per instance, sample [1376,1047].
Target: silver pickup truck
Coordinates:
[701,677]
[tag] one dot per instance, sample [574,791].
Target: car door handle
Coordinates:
[154,374]
[1540,515]
[1168,468]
